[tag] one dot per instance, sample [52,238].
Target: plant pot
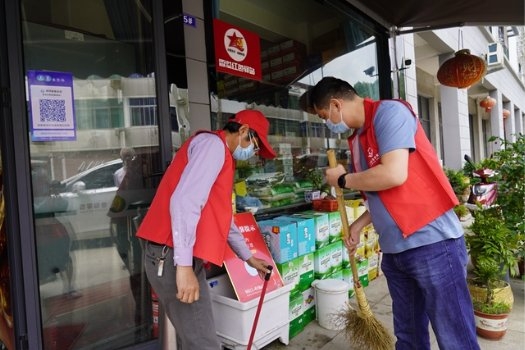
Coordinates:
[464,198]
[503,294]
[490,326]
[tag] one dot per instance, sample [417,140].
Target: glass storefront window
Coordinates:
[296,52]
[7,321]
[90,66]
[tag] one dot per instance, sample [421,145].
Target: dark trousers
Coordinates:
[193,322]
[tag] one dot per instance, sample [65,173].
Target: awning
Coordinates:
[432,14]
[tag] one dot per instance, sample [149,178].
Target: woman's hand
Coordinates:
[259,264]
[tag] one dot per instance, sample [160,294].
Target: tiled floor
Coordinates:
[316,337]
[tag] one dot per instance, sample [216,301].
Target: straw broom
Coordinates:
[362,328]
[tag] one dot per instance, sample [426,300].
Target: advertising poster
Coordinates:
[245,280]
[237,51]
[51,106]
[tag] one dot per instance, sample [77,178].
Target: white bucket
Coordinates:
[331,296]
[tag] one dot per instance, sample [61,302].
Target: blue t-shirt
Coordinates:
[395,128]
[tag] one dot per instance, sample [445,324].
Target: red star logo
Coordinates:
[236,42]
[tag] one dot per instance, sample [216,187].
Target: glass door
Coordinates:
[95,163]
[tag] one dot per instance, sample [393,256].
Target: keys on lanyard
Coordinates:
[160,260]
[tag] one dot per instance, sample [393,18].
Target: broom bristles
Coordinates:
[365,331]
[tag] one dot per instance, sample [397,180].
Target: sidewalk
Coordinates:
[316,337]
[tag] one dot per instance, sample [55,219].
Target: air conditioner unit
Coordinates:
[495,56]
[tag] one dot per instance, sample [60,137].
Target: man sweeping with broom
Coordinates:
[409,201]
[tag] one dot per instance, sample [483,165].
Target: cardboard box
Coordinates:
[322,263]
[292,57]
[281,239]
[295,315]
[296,307]
[345,261]
[338,275]
[356,208]
[274,51]
[305,233]
[306,271]
[296,326]
[321,227]
[371,245]
[334,221]
[373,261]
[277,61]
[349,278]
[360,252]
[308,305]
[362,272]
[336,256]
[290,274]
[292,46]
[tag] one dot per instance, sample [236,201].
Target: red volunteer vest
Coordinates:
[216,215]
[426,190]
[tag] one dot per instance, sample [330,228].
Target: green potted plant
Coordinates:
[461,185]
[461,211]
[492,247]
[510,164]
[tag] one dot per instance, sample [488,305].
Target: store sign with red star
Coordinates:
[237,51]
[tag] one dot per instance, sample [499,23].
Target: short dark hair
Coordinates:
[234,127]
[320,94]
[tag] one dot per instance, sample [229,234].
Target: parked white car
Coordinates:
[89,195]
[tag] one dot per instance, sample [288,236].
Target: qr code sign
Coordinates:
[52,110]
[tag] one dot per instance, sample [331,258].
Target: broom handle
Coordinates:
[332,162]
[259,306]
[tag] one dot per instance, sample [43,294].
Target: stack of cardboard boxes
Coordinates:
[283,62]
[308,246]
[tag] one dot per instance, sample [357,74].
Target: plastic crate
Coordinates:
[325,204]
[234,319]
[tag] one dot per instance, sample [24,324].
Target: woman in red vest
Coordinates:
[190,222]
[410,203]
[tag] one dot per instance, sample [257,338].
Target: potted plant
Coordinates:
[461,211]
[492,247]
[461,185]
[510,164]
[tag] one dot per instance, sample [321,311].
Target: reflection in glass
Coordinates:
[7,331]
[93,291]
[293,60]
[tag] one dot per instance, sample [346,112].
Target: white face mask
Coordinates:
[244,153]
[338,128]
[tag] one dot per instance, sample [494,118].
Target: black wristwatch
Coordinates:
[341,181]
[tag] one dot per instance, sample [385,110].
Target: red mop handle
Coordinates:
[259,306]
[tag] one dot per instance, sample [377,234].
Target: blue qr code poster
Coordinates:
[51,106]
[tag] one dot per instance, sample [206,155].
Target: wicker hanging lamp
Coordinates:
[462,70]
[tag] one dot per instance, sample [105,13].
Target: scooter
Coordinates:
[485,192]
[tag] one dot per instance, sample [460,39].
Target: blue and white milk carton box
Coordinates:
[305,233]
[281,239]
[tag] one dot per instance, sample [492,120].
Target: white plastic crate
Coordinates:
[234,319]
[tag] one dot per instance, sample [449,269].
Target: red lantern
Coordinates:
[487,103]
[506,113]
[462,70]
